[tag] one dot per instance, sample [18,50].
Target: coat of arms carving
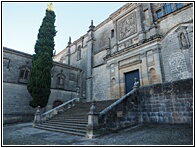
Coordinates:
[127,26]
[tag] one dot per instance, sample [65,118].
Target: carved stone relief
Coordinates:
[130,61]
[183,37]
[125,44]
[153,76]
[127,26]
[178,66]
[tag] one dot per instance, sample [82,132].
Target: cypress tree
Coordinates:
[39,81]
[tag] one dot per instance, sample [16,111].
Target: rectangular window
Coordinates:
[26,74]
[22,73]
[159,14]
[112,33]
[179,5]
[168,7]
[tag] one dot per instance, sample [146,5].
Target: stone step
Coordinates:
[69,121]
[61,131]
[73,120]
[70,118]
[67,125]
[64,128]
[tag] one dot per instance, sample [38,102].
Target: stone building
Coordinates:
[152,42]
[16,68]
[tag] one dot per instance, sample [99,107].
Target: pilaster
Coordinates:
[89,62]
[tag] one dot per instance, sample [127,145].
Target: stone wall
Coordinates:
[16,103]
[100,83]
[176,51]
[15,94]
[170,102]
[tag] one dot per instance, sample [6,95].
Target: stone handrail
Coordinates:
[103,112]
[51,113]
[118,114]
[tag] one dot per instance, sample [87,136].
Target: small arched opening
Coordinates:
[57,103]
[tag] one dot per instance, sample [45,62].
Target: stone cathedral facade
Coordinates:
[152,42]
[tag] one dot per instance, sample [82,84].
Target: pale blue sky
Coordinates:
[21,21]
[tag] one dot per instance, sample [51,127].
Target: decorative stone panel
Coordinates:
[127,26]
[178,65]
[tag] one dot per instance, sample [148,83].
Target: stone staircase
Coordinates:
[73,120]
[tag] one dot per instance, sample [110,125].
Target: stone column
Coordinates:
[144,70]
[93,129]
[153,30]
[115,43]
[68,51]
[89,63]
[158,64]
[140,24]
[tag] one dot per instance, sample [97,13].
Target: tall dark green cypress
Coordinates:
[39,81]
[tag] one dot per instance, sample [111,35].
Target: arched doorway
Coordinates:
[57,103]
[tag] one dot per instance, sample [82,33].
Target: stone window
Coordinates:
[71,77]
[24,74]
[6,62]
[112,33]
[179,5]
[112,69]
[60,81]
[168,8]
[79,53]
[113,81]
[159,14]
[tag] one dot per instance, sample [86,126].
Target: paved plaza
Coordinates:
[24,134]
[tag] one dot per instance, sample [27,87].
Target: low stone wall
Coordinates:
[170,102]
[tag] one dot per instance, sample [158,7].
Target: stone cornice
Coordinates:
[133,47]
[65,66]
[19,53]
[12,51]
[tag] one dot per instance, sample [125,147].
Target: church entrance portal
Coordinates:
[129,80]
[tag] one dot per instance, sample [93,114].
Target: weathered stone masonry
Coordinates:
[170,102]
[16,68]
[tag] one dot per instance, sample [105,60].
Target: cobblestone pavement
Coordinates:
[24,134]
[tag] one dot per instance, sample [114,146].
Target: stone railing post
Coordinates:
[37,118]
[92,129]
[136,84]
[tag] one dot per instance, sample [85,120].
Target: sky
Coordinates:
[22,20]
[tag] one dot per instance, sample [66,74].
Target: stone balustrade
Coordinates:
[118,115]
[51,113]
